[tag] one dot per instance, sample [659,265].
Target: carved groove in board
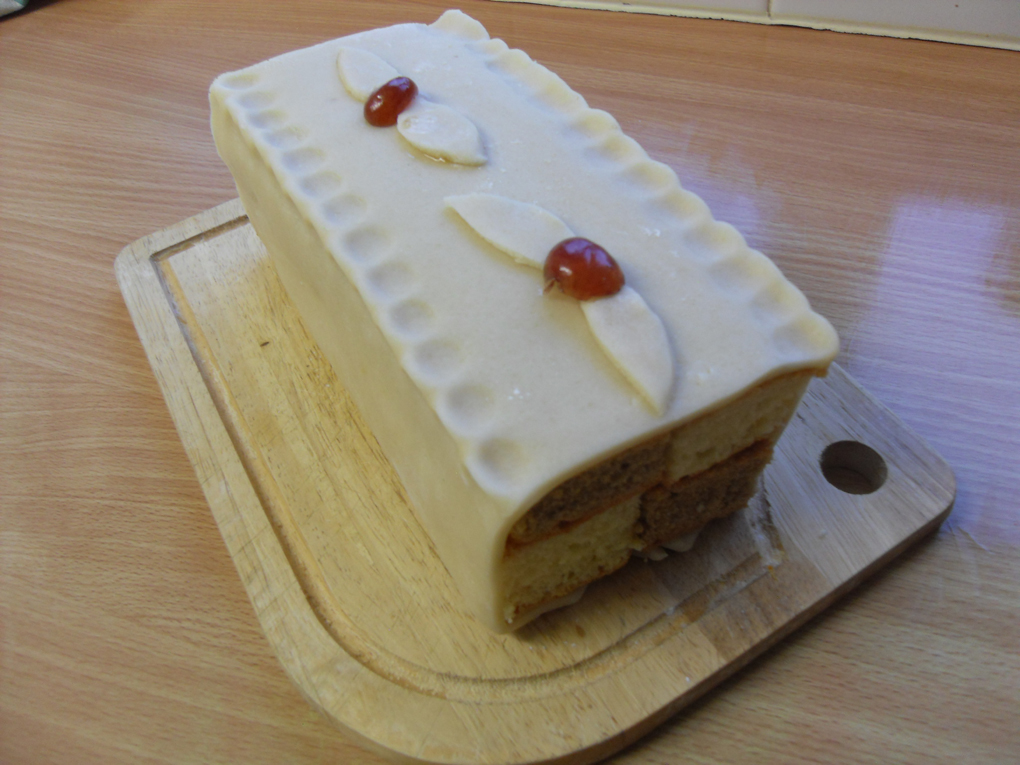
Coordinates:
[191,241]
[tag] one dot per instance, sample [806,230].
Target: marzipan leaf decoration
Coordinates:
[435,130]
[627,329]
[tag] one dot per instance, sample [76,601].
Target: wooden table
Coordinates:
[880,174]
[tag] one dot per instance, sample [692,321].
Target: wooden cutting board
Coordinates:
[364,617]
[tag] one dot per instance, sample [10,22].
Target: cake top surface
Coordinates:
[521,378]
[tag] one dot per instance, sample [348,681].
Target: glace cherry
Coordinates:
[582,269]
[384,106]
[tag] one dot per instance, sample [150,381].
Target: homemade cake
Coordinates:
[415,186]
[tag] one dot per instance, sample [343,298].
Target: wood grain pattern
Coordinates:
[881,176]
[361,611]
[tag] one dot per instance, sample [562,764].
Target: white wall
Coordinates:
[994,23]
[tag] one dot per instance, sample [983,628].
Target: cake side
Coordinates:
[338,318]
[449,321]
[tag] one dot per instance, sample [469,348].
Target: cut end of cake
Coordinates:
[648,496]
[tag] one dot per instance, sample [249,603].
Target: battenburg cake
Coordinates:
[565,358]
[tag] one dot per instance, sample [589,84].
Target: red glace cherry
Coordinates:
[582,269]
[384,106]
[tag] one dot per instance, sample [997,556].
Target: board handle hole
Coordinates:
[853,467]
